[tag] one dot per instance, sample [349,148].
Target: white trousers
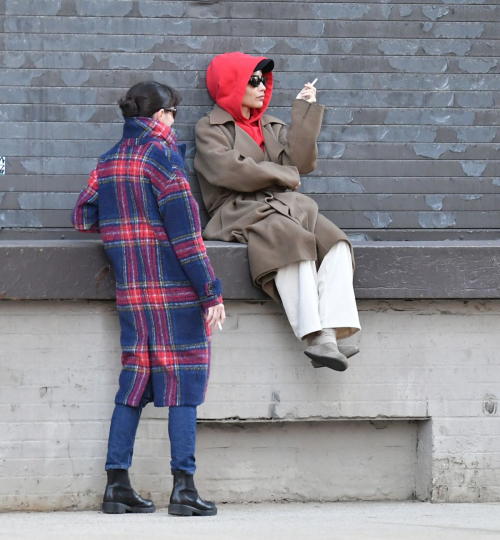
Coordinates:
[314,300]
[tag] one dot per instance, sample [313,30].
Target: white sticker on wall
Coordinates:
[2,165]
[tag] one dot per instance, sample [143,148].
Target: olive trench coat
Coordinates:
[248,192]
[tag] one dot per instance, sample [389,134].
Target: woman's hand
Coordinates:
[308,93]
[216,315]
[296,187]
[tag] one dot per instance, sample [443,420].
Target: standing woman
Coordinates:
[168,298]
[249,169]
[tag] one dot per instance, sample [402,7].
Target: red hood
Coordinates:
[227,79]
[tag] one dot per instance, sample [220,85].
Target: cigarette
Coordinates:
[220,325]
[315,81]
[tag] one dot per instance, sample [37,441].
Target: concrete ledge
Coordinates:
[440,270]
[79,269]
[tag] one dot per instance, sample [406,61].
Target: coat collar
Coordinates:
[245,145]
[140,129]
[219,116]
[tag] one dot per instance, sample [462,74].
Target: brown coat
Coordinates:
[248,192]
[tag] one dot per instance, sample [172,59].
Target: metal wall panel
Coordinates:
[411,137]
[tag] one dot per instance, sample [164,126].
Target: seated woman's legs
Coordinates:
[321,305]
[298,289]
[337,303]
[337,310]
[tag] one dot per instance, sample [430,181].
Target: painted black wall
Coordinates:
[411,139]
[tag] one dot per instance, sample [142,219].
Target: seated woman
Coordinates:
[249,170]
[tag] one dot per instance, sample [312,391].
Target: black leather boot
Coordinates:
[120,497]
[185,500]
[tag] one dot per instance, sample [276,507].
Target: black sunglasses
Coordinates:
[255,81]
[173,110]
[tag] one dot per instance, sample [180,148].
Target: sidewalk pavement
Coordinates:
[269,521]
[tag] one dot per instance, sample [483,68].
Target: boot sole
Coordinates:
[120,508]
[185,510]
[326,361]
[318,365]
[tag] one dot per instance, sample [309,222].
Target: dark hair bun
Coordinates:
[146,98]
[129,107]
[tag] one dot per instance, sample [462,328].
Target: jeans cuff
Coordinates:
[191,473]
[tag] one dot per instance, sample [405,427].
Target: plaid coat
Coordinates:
[139,198]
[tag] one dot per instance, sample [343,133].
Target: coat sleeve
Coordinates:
[85,216]
[223,166]
[299,144]
[181,219]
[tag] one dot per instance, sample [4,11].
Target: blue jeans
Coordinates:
[181,431]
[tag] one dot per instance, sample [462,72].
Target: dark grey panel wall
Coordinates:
[411,136]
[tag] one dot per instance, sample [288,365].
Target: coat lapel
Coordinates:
[273,146]
[246,146]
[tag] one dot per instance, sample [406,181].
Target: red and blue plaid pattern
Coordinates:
[139,199]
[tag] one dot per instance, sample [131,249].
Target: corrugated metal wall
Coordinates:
[411,135]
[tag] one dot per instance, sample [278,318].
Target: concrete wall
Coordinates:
[410,138]
[409,150]
[414,416]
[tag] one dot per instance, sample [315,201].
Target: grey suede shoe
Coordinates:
[346,350]
[328,355]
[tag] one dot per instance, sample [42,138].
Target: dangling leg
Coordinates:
[184,500]
[298,289]
[337,304]
[297,284]
[119,496]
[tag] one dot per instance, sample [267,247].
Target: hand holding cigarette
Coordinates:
[216,316]
[308,93]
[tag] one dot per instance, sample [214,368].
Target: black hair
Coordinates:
[148,97]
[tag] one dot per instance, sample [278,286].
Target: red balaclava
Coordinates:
[227,79]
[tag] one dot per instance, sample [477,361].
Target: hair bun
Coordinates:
[129,107]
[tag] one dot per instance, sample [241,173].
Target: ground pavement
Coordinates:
[269,521]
